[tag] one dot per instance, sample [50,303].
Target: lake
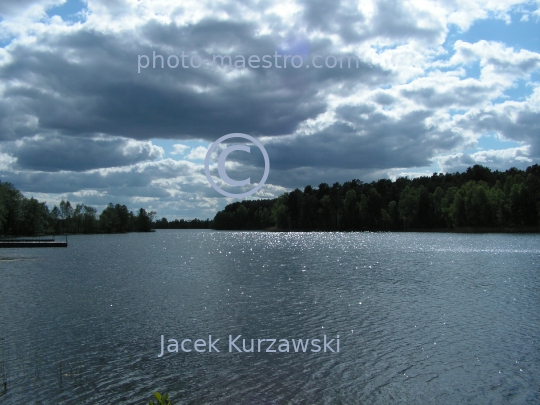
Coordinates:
[421,317]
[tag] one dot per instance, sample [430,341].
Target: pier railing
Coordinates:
[39,241]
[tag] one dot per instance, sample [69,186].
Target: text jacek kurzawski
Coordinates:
[239,345]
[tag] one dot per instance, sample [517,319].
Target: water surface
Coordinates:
[422,318]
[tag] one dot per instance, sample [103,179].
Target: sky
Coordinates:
[119,100]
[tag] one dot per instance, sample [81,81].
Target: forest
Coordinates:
[163,223]
[478,198]
[27,216]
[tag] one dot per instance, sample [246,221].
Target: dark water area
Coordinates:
[422,318]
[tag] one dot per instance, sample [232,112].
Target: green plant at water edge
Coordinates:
[161,399]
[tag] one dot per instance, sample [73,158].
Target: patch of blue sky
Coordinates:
[171,152]
[521,89]
[518,34]
[491,141]
[5,39]
[472,70]
[382,48]
[433,168]
[519,92]
[69,11]
[457,111]
[423,171]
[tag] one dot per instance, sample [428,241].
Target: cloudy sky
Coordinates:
[88,114]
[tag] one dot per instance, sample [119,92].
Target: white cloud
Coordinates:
[518,121]
[396,173]
[179,149]
[133,147]
[495,159]
[463,13]
[500,64]
[6,161]
[198,153]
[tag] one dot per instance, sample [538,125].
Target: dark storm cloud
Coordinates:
[361,139]
[364,139]
[56,153]
[87,83]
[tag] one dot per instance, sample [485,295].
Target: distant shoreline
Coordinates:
[44,235]
[521,230]
[464,230]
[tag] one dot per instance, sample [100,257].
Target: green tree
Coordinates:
[296,206]
[3,208]
[499,206]
[350,212]
[34,217]
[374,202]
[144,220]
[89,219]
[280,212]
[458,212]
[108,220]
[309,213]
[393,212]
[522,206]
[438,216]
[363,212]
[446,206]
[240,217]
[408,206]
[386,220]
[10,200]
[325,213]
[477,205]
[424,211]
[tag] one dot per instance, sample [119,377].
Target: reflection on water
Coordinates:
[422,318]
[12,259]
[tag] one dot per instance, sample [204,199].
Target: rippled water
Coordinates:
[422,318]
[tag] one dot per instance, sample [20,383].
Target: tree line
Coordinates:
[163,223]
[27,216]
[477,198]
